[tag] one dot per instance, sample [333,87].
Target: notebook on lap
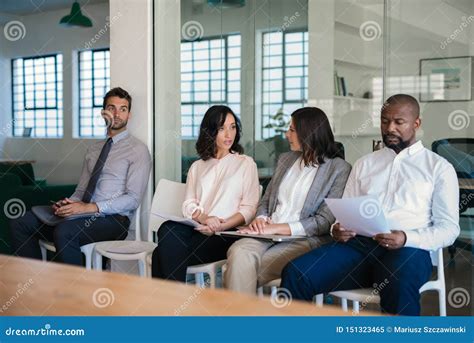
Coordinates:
[47,216]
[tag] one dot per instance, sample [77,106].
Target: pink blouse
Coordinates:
[223,187]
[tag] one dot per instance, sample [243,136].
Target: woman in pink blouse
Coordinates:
[222,192]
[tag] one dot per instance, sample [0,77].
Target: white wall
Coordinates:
[57,160]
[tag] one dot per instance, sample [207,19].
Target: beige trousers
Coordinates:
[252,263]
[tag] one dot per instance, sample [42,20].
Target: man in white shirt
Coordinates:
[419,194]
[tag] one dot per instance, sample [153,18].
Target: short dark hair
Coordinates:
[315,135]
[213,120]
[121,93]
[402,99]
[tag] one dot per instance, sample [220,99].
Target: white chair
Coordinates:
[370,295]
[87,250]
[168,198]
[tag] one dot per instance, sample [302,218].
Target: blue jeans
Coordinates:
[68,236]
[360,263]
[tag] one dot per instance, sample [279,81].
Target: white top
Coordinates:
[418,190]
[223,187]
[292,194]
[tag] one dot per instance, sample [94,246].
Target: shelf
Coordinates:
[356,64]
[352,98]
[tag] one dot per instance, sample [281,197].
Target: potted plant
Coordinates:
[279,123]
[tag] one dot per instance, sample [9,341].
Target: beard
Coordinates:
[119,125]
[388,140]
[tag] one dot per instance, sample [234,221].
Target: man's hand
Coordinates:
[108,117]
[60,203]
[340,234]
[75,207]
[391,241]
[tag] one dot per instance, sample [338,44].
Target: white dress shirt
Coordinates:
[418,190]
[292,194]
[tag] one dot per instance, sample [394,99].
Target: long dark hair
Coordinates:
[315,135]
[212,121]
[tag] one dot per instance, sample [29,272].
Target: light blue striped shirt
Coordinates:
[123,180]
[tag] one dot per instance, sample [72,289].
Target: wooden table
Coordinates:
[30,287]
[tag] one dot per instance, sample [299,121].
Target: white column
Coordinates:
[131,67]
[167,95]
[321,55]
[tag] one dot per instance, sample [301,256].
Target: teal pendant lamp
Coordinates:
[75,18]
[226,3]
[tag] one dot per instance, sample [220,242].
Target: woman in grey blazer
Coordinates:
[293,204]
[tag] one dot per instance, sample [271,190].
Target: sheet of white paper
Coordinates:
[364,215]
[182,220]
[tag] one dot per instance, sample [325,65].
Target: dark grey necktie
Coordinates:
[99,165]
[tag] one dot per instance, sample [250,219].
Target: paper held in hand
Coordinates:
[364,215]
[178,219]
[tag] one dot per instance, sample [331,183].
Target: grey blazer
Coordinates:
[329,182]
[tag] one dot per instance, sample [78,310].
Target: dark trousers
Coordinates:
[360,263]
[68,236]
[180,246]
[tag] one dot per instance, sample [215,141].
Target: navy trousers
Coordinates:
[180,246]
[68,236]
[360,263]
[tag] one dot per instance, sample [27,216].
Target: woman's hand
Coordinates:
[205,230]
[269,229]
[258,225]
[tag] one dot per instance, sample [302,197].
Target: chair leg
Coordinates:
[199,277]
[98,261]
[319,300]
[355,306]
[142,268]
[88,261]
[274,292]
[44,253]
[344,304]
[442,302]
